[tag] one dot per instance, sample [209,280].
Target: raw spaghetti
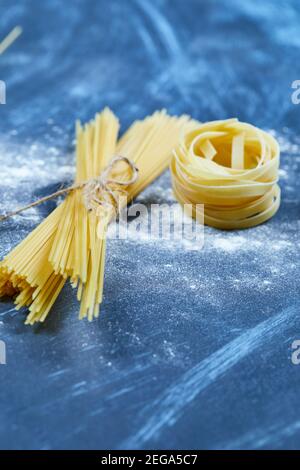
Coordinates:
[70,242]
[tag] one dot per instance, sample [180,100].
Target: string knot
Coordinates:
[102,192]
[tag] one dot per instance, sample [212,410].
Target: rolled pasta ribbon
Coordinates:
[231,168]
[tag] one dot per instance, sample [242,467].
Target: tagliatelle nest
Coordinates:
[231,168]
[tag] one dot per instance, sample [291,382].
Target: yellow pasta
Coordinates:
[70,242]
[10,38]
[148,144]
[231,168]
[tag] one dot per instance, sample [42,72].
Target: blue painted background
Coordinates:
[193,348]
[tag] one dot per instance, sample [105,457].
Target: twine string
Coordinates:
[99,191]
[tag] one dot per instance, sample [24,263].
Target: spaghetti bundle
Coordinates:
[70,242]
[231,168]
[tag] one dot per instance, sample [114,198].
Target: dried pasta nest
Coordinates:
[231,168]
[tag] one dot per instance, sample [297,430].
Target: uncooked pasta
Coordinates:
[71,242]
[230,168]
[10,39]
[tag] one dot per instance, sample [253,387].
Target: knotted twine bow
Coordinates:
[97,192]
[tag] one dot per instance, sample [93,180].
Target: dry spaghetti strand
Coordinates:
[10,38]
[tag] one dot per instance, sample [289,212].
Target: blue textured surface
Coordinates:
[193,348]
